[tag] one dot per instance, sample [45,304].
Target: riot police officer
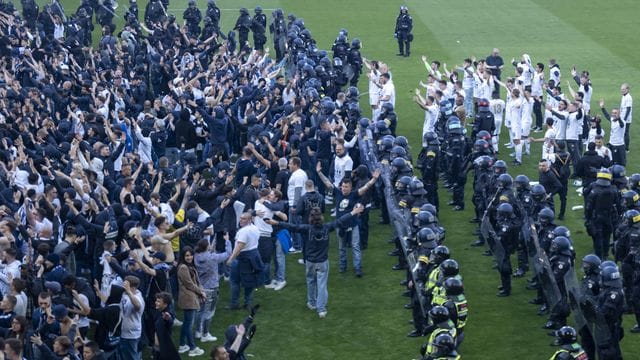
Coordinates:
[439,323]
[561,260]
[278,30]
[629,255]
[589,290]
[608,310]
[484,119]
[402,32]
[259,28]
[340,48]
[192,17]
[601,212]
[213,14]
[355,62]
[458,150]
[505,239]
[456,304]
[443,348]
[243,26]
[569,348]
[427,262]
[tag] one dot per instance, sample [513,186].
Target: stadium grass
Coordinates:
[366,319]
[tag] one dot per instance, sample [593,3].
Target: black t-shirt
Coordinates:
[282,178]
[497,62]
[344,204]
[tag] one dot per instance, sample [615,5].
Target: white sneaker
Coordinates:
[196,352]
[198,335]
[301,261]
[311,307]
[177,322]
[208,337]
[281,285]
[322,314]
[271,285]
[183,349]
[294,251]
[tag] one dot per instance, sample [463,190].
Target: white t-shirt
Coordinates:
[296,180]
[341,166]
[548,151]
[536,84]
[132,318]
[468,79]
[604,152]
[616,137]
[430,119]
[374,90]
[248,235]
[574,126]
[592,135]
[389,90]
[626,102]
[264,228]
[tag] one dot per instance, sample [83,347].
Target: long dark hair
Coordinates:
[185,250]
[202,246]
[315,217]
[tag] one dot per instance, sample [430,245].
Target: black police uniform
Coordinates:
[560,264]
[458,149]
[278,30]
[507,233]
[192,16]
[589,288]
[562,170]
[402,32]
[259,28]
[601,214]
[609,306]
[243,26]
[354,59]
[428,165]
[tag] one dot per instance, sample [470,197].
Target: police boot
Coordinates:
[551,325]
[543,310]
[400,48]
[519,273]
[536,301]
[407,48]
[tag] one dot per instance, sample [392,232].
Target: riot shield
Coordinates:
[601,332]
[574,296]
[543,270]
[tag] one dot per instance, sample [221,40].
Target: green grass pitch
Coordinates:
[366,319]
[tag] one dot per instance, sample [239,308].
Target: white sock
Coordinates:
[519,152]
[495,140]
[527,145]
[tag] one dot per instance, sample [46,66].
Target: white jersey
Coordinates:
[341,166]
[604,152]
[527,73]
[593,132]
[477,83]
[616,137]
[468,79]
[536,84]
[586,98]
[574,126]
[626,102]
[554,74]
[526,111]
[548,149]
[374,90]
[389,90]
[430,119]
[560,124]
[485,89]
[496,106]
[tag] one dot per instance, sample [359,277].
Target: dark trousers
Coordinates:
[537,111]
[563,196]
[364,229]
[627,126]
[404,45]
[573,147]
[619,154]
[601,233]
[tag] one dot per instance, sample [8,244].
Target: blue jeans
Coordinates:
[317,277]
[354,237]
[128,349]
[468,102]
[206,312]
[280,262]
[296,238]
[186,332]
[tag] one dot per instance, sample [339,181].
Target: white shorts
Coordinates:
[526,129]
[516,130]
[498,124]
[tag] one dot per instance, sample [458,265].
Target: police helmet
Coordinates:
[500,167]
[591,264]
[562,231]
[244,11]
[439,254]
[608,263]
[425,218]
[629,199]
[429,207]
[326,62]
[480,145]
[398,163]
[403,8]
[387,107]
[453,286]
[444,344]
[298,43]
[603,178]
[431,138]
[387,142]
[546,216]
[505,181]
[328,107]
[566,335]
[561,245]
[522,182]
[401,141]
[417,187]
[504,211]
[426,236]
[341,38]
[484,135]
[398,151]
[634,180]
[632,216]
[449,268]
[344,32]
[403,182]
[364,122]
[382,126]
[258,10]
[538,192]
[439,314]
[618,171]
[610,276]
[483,104]
[485,162]
[355,43]
[352,92]
[454,126]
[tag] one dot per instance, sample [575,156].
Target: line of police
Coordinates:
[514,217]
